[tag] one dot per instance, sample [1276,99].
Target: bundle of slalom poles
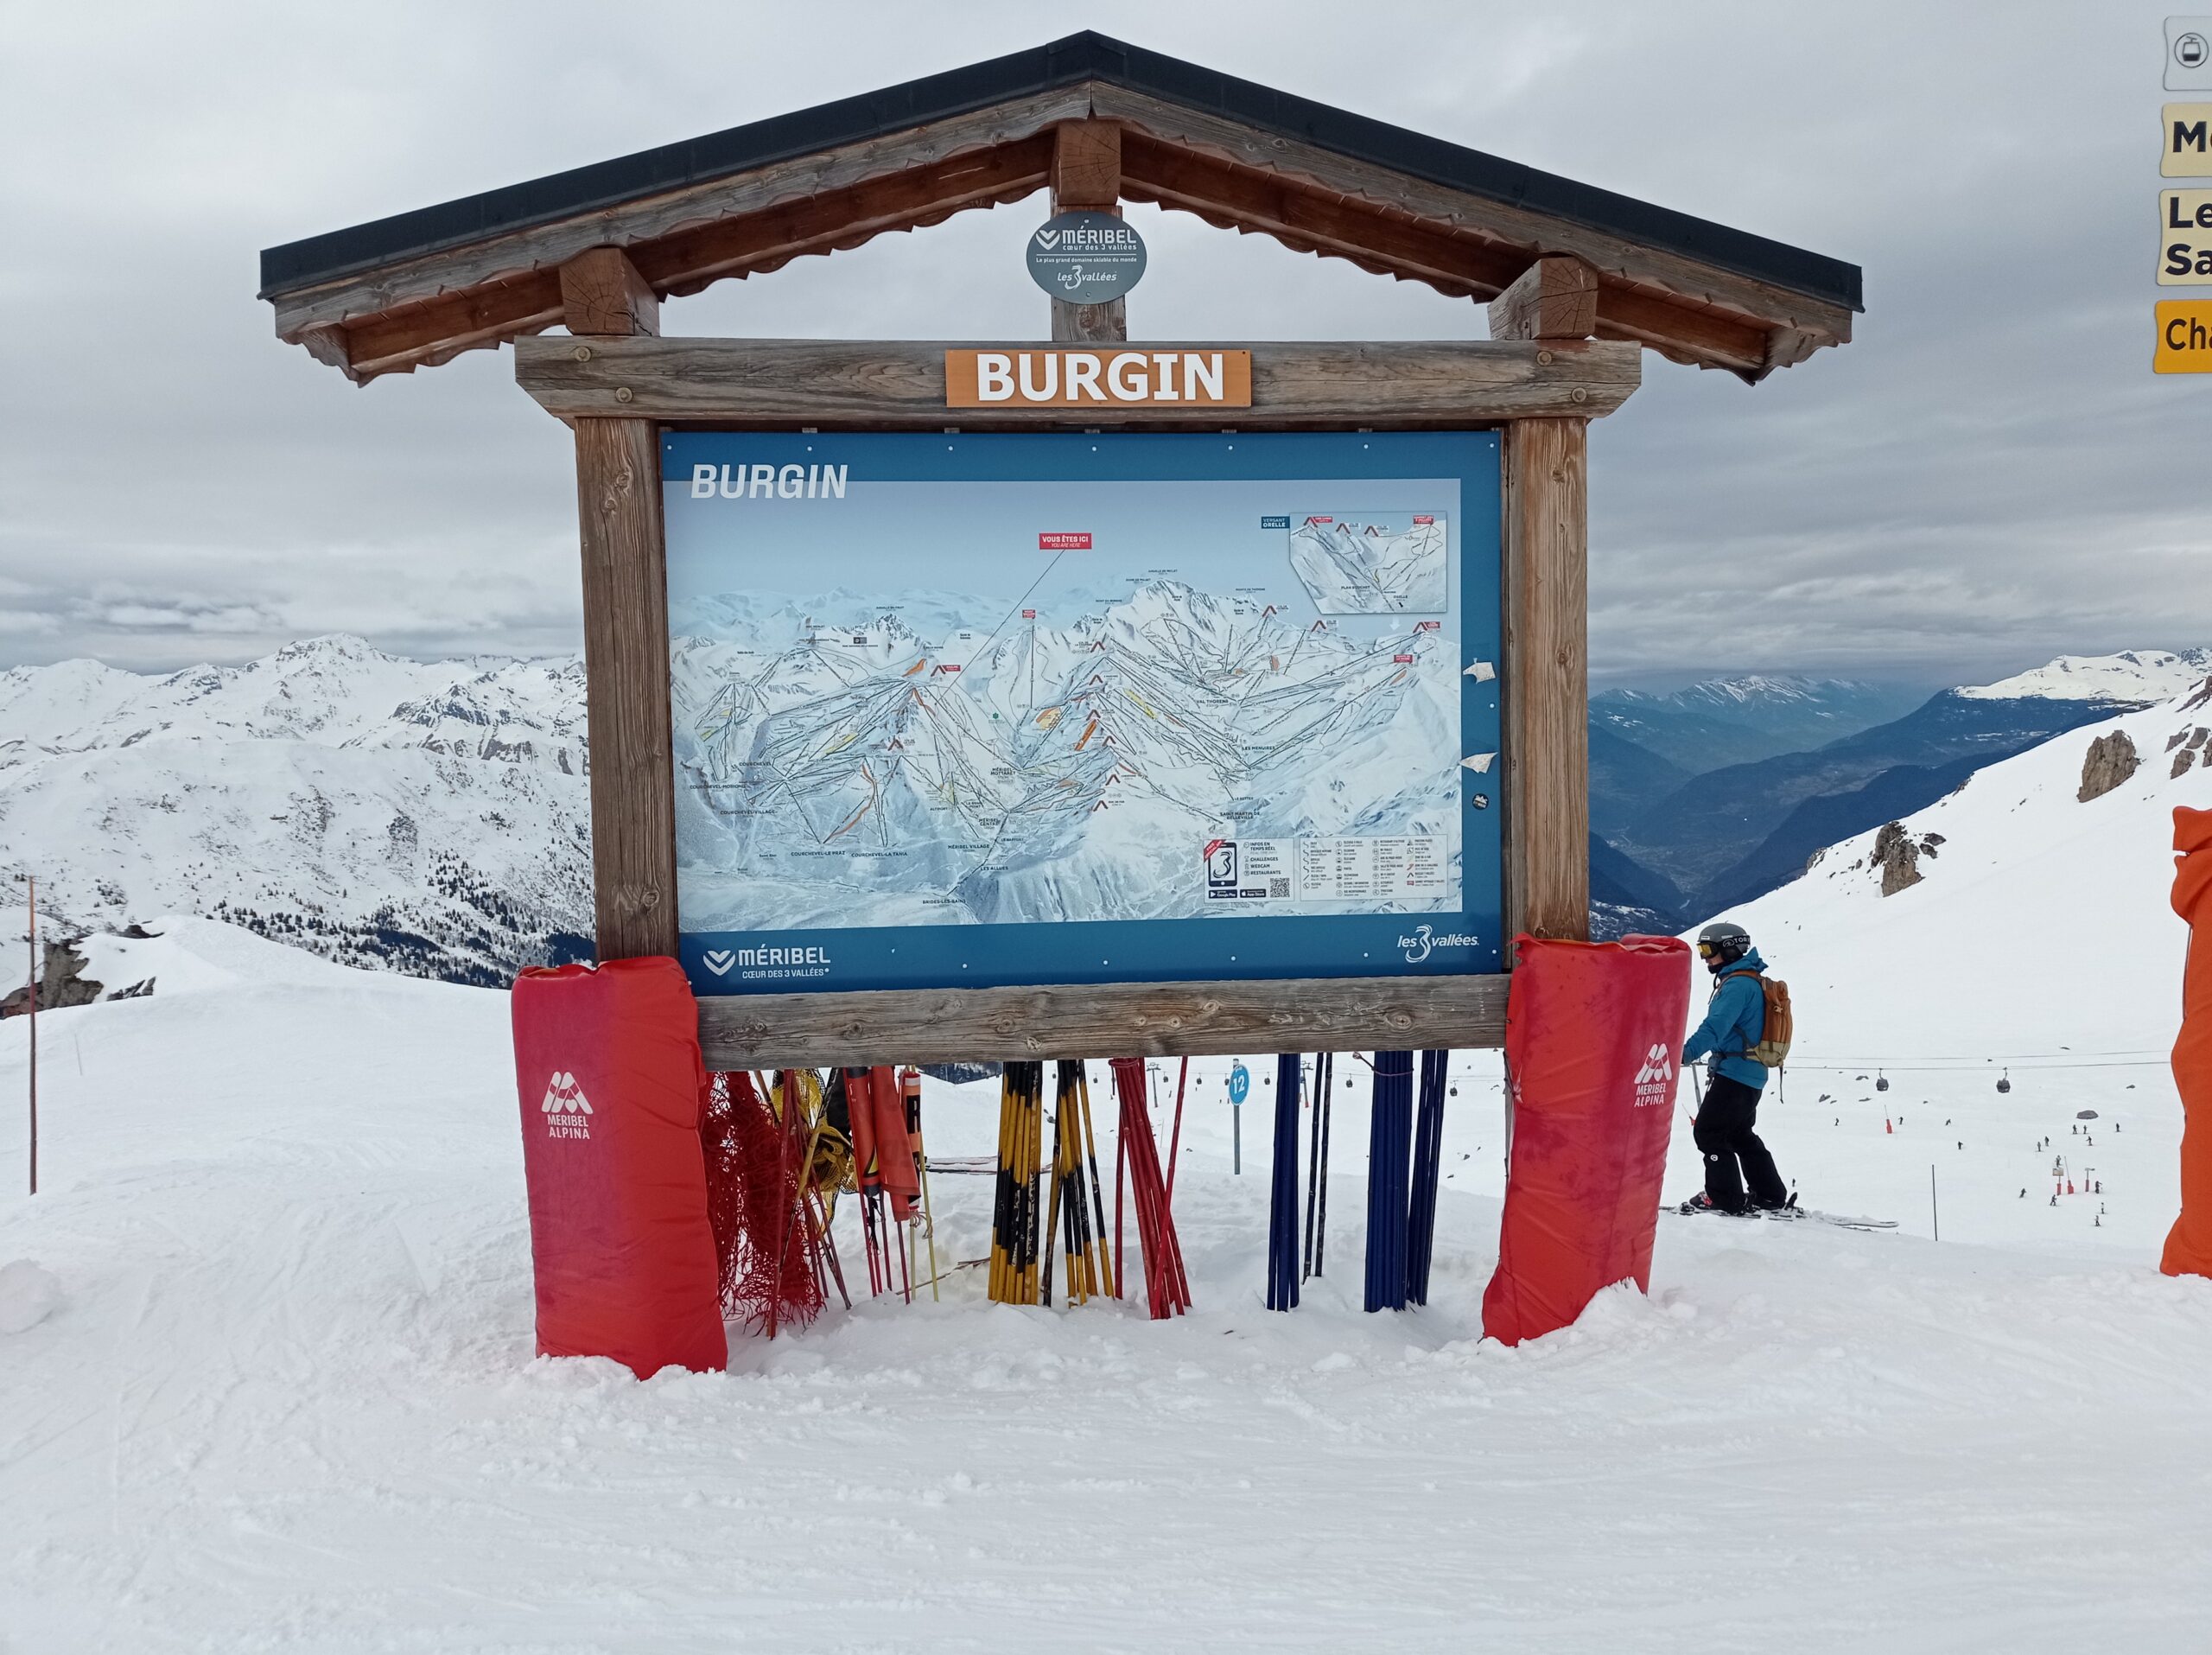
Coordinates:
[1401,1202]
[1390,1144]
[1014,1214]
[1167,1291]
[1077,1215]
[1429,1157]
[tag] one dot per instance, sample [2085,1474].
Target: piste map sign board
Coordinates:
[995,709]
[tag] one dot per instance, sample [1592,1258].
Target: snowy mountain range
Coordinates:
[1742,719]
[433,817]
[2016,890]
[2132,675]
[1724,834]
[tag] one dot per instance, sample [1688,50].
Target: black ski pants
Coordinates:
[1724,1136]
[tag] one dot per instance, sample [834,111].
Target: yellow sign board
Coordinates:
[2186,141]
[1102,377]
[2185,337]
[2185,237]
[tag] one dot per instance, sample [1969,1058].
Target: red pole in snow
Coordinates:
[1175,1139]
[32,886]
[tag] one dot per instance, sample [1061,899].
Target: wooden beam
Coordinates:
[424,335]
[544,248]
[1238,198]
[602,294]
[1554,298]
[1386,241]
[1545,545]
[690,260]
[1664,274]
[1094,1020]
[897,384]
[1682,334]
[1087,174]
[329,346]
[625,672]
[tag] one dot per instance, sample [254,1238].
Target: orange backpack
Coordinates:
[1772,1048]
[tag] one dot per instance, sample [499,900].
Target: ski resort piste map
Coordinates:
[967,710]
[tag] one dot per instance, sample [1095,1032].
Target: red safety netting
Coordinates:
[609,1072]
[2188,1245]
[1593,1034]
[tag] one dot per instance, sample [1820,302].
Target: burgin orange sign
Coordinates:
[1106,377]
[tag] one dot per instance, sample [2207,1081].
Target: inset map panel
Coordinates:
[1373,563]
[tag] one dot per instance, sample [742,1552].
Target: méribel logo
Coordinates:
[565,1106]
[1048,239]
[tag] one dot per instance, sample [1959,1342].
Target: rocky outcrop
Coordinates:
[1897,858]
[61,983]
[2112,760]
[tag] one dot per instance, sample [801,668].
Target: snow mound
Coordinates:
[2132,675]
[28,1295]
[186,954]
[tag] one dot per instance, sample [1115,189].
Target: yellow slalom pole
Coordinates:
[1104,1266]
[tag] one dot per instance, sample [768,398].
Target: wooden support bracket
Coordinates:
[602,296]
[1554,298]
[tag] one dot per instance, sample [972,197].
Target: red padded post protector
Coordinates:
[2189,1244]
[1593,1038]
[608,1071]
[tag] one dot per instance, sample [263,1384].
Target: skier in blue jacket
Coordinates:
[1734,1022]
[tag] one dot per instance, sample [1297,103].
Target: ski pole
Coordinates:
[1109,1272]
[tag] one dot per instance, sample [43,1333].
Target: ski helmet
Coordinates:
[1724,942]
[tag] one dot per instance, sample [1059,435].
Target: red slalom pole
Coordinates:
[1176,1139]
[1120,1167]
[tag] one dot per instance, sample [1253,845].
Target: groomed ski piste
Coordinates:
[266,1378]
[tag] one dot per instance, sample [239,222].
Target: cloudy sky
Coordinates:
[1988,477]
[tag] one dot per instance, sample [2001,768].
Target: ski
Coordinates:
[1841,1220]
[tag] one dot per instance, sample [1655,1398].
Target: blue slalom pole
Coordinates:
[1390,1140]
[1429,1154]
[1282,1190]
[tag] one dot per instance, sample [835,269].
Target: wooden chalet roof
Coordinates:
[419,287]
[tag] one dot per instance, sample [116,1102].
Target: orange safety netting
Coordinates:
[2188,1245]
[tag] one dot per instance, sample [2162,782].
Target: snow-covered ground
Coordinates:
[284,1396]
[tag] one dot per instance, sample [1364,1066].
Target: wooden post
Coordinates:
[626,630]
[625,670]
[1546,546]
[1087,173]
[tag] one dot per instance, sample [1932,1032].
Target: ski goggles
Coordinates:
[1708,950]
